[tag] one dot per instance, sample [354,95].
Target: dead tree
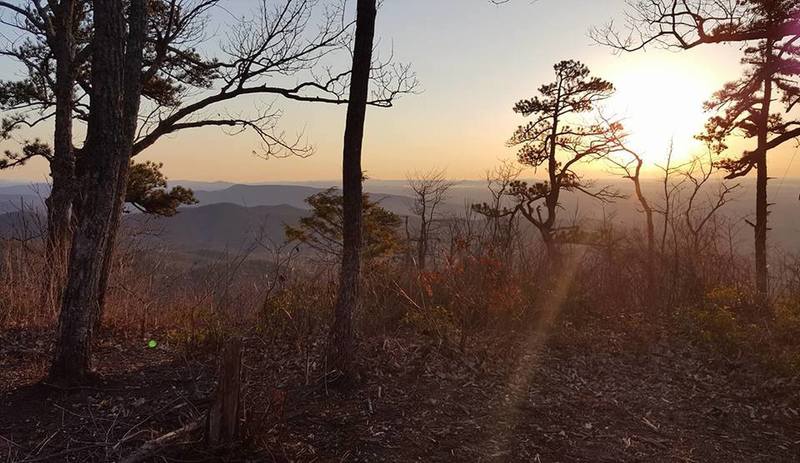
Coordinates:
[501,219]
[629,162]
[698,210]
[690,217]
[430,191]
[669,189]
[222,421]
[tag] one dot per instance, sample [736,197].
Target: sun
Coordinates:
[660,101]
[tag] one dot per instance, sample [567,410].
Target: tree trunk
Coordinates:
[551,199]
[762,178]
[422,246]
[59,226]
[342,344]
[62,166]
[106,159]
[551,246]
[651,231]
[222,421]
[132,100]
[108,252]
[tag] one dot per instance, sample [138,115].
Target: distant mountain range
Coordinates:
[231,215]
[227,217]
[290,195]
[207,193]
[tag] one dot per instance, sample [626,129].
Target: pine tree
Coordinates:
[558,140]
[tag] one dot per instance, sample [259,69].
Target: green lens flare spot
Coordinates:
[152,344]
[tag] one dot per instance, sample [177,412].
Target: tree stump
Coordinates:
[222,424]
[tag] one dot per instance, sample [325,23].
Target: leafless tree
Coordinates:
[702,206]
[685,24]
[629,162]
[501,218]
[669,190]
[430,191]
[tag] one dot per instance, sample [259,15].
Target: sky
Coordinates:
[474,60]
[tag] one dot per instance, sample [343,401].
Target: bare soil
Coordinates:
[522,397]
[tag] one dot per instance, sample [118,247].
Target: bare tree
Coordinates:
[691,222]
[501,219]
[685,24]
[701,207]
[669,190]
[630,165]
[430,191]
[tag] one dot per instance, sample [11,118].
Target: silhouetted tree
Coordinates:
[499,182]
[746,109]
[430,191]
[700,208]
[773,25]
[685,24]
[557,141]
[629,162]
[342,343]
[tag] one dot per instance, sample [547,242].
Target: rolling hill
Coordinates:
[221,226]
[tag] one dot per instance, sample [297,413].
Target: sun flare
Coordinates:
[662,104]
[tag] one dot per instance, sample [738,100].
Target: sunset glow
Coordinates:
[660,102]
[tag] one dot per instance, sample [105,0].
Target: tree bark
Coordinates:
[133,89]
[62,165]
[106,159]
[342,344]
[222,422]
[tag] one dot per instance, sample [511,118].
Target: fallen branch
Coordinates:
[152,447]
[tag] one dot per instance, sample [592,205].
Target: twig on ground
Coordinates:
[152,447]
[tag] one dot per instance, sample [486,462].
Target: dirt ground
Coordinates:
[514,398]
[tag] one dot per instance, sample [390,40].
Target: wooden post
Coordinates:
[222,425]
